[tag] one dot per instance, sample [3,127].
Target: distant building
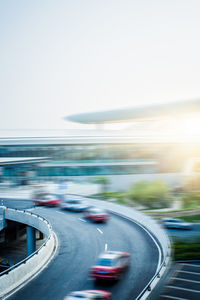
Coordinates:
[126,156]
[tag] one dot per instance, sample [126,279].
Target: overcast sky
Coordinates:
[64,57]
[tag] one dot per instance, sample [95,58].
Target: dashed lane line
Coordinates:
[82,220]
[60,212]
[99,230]
[192,265]
[187,280]
[180,288]
[172,297]
[188,272]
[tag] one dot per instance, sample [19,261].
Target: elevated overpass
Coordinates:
[81,242]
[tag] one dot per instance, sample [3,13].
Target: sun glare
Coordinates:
[192,126]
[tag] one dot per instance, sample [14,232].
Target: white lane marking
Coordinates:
[60,212]
[178,269]
[99,230]
[172,297]
[188,272]
[191,265]
[106,247]
[187,280]
[82,220]
[180,288]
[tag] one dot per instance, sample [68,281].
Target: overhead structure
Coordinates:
[21,160]
[148,112]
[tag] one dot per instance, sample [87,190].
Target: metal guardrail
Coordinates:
[35,252]
[149,286]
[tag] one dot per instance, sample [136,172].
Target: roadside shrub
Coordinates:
[150,194]
[191,200]
[187,249]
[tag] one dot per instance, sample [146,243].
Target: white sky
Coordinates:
[64,57]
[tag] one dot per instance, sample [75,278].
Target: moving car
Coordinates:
[96,214]
[90,295]
[47,200]
[110,265]
[77,204]
[176,224]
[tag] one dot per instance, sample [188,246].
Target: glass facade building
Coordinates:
[93,159]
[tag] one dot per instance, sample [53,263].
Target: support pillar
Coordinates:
[30,240]
[41,235]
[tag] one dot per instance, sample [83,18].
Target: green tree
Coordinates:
[137,191]
[191,200]
[150,194]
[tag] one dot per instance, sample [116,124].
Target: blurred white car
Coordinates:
[176,224]
[75,203]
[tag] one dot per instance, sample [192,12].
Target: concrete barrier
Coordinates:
[26,269]
[28,218]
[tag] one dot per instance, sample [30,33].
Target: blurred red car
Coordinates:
[96,214]
[111,265]
[47,200]
[90,295]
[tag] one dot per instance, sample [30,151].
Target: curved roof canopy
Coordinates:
[172,109]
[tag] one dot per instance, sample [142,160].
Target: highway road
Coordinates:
[178,233]
[80,243]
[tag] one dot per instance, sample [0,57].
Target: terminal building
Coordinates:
[141,151]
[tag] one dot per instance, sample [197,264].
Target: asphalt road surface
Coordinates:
[184,282]
[80,243]
[181,233]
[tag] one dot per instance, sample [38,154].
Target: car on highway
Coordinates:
[47,200]
[176,224]
[96,214]
[76,204]
[89,295]
[110,265]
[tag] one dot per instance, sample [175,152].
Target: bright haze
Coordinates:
[65,57]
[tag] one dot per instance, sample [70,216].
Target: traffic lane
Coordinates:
[144,258]
[183,233]
[196,226]
[17,203]
[118,234]
[69,269]
[80,245]
[189,275]
[126,242]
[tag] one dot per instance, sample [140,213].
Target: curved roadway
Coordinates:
[80,243]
